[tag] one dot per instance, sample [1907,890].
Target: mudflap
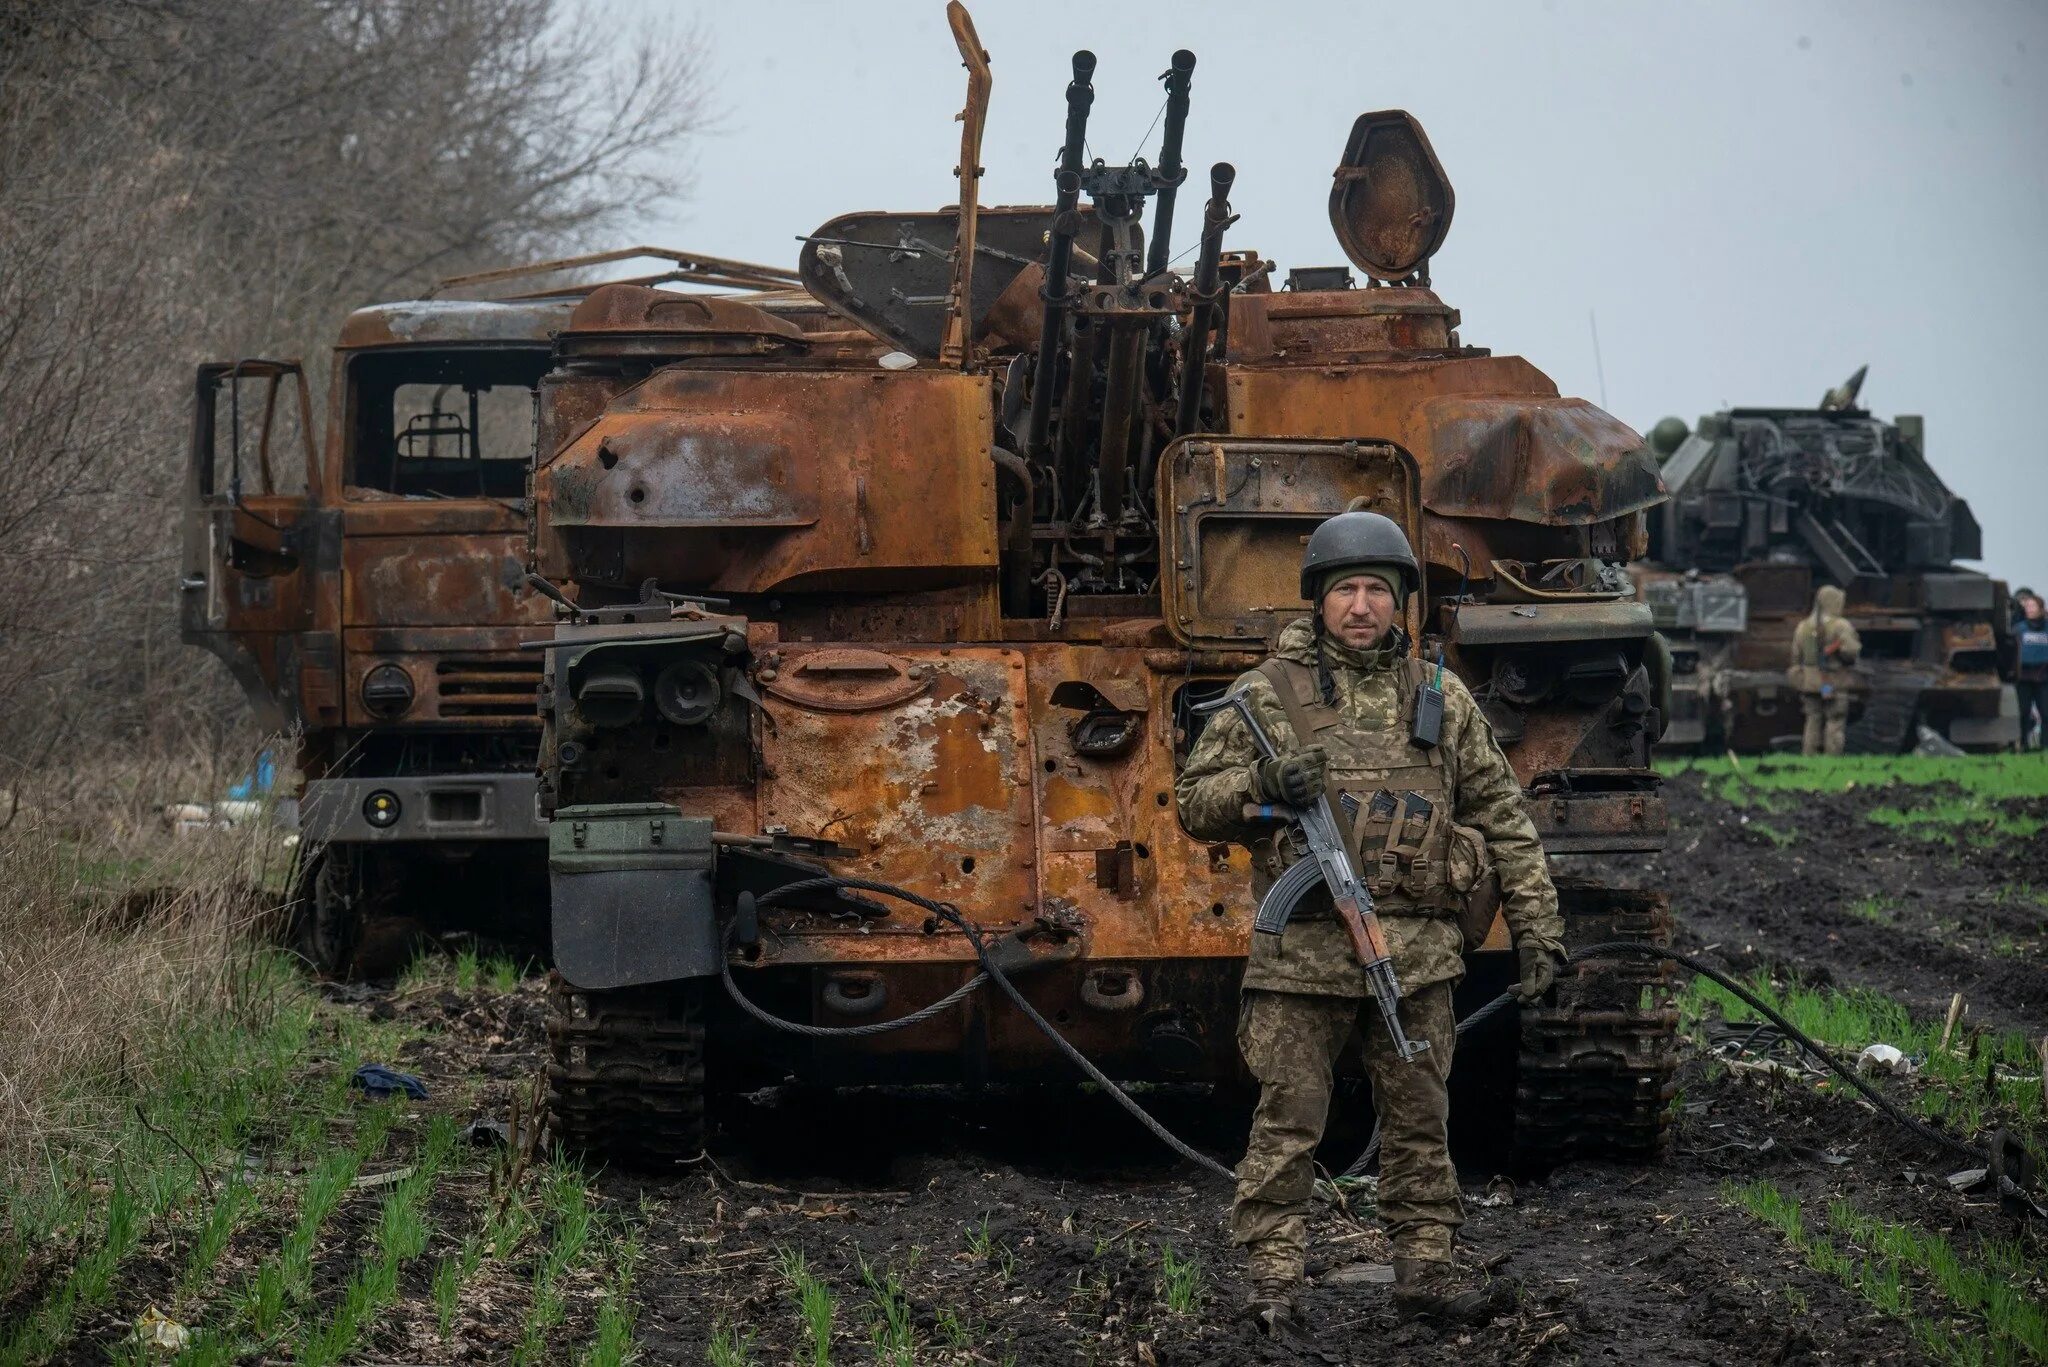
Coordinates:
[1599,1061]
[632,896]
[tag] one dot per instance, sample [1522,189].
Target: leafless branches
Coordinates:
[184,180]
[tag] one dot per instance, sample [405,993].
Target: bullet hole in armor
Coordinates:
[967,864]
[1160,798]
[750,952]
[607,457]
[1052,766]
[1064,1017]
[1143,853]
[637,494]
[1215,908]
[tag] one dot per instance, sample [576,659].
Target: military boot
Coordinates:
[1437,1291]
[1272,1305]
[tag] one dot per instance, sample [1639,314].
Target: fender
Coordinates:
[632,893]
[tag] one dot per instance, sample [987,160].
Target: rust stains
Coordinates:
[1559,462]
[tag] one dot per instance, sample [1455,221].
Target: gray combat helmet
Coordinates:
[1355,541]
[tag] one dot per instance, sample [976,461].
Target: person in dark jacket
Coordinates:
[2032,682]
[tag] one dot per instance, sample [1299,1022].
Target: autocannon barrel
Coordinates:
[1178,78]
[1060,249]
[1195,347]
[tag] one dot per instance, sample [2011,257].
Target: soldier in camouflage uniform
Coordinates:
[1824,653]
[1337,699]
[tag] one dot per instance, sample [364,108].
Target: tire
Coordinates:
[326,918]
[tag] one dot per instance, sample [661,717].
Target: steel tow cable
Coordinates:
[990,970]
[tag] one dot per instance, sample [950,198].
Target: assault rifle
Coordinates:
[1325,838]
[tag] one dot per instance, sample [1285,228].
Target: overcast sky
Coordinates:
[1750,199]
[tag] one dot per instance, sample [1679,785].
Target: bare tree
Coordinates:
[182,179]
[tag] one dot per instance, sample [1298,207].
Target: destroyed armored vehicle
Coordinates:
[902,586]
[1769,504]
[369,594]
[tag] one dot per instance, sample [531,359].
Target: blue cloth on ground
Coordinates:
[381,1082]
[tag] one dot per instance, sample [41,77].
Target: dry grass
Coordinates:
[115,937]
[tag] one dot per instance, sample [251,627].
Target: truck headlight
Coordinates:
[387,692]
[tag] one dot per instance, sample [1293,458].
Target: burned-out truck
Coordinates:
[889,601]
[369,593]
[1770,504]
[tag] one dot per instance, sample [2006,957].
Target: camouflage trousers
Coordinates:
[1827,724]
[1290,1042]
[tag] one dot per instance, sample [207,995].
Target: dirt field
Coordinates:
[1049,1229]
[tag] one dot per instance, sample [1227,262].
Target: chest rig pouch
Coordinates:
[1395,801]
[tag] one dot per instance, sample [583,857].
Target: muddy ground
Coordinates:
[1035,1229]
[1816,886]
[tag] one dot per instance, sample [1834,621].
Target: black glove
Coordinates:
[1539,971]
[1295,778]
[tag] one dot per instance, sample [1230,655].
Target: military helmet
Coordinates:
[1354,541]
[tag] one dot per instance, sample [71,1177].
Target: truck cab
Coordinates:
[369,593]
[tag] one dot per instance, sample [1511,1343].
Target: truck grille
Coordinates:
[488,686]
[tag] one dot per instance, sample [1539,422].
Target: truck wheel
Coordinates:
[1597,1068]
[327,914]
[626,1072]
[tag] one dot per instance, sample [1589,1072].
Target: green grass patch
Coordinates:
[1968,1308]
[1875,908]
[612,1343]
[1973,811]
[1180,1282]
[250,1115]
[889,1326]
[568,1224]
[730,1348]
[814,1302]
[223,1078]
[1776,835]
[400,1237]
[1984,1078]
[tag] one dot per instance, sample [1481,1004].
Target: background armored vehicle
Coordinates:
[906,583]
[371,598]
[1767,505]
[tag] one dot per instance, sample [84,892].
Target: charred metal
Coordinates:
[984,507]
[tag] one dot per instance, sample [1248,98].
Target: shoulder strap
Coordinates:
[1287,676]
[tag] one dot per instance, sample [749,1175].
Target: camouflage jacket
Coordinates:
[1813,666]
[1314,955]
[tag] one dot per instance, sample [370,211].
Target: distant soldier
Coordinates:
[1338,700]
[2031,629]
[1824,652]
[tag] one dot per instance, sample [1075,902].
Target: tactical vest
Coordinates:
[1393,799]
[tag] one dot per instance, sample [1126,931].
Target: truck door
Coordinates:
[251,480]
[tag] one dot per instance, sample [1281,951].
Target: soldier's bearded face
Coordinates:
[1358,611]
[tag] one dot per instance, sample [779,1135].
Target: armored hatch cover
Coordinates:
[892,273]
